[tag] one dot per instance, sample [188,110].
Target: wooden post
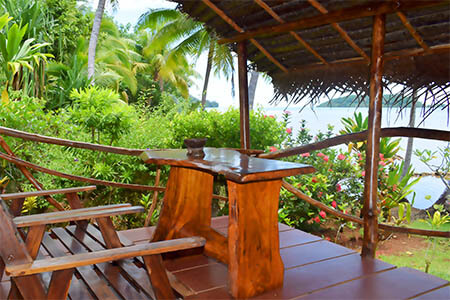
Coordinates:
[370,210]
[243,95]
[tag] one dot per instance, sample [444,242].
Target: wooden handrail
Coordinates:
[20,162]
[62,142]
[360,221]
[433,134]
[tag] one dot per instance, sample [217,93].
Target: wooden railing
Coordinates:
[433,134]
[25,165]
[338,140]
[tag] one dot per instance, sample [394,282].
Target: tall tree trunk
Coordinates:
[207,73]
[409,146]
[252,88]
[94,38]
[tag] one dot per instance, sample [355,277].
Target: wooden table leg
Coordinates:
[187,203]
[255,263]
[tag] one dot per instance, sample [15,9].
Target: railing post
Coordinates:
[243,95]
[370,209]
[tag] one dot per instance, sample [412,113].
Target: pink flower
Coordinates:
[272,116]
[363,173]
[341,156]
[322,214]
[305,154]
[265,116]
[382,163]
[334,204]
[381,156]
[394,187]
[287,112]
[325,158]
[289,130]
[272,149]
[317,219]
[320,154]
[314,180]
[338,187]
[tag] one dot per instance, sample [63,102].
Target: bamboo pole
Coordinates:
[370,210]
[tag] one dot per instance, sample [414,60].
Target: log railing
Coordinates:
[335,141]
[432,134]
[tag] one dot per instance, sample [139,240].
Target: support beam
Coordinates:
[239,29]
[243,95]
[341,31]
[412,31]
[361,11]
[305,44]
[370,209]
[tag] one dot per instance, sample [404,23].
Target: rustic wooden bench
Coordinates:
[18,257]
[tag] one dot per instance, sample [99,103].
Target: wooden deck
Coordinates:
[314,269]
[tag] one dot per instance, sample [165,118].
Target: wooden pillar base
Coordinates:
[255,263]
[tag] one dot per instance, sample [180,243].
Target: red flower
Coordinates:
[330,170]
[363,173]
[320,154]
[322,214]
[289,130]
[314,180]
[272,149]
[341,156]
[328,239]
[338,187]
[319,194]
[325,158]
[334,204]
[305,154]
[317,219]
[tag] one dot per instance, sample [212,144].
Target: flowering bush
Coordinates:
[339,179]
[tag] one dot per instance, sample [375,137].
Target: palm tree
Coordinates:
[187,37]
[94,35]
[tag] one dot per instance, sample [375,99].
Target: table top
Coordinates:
[230,163]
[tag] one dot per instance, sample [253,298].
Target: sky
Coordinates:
[219,89]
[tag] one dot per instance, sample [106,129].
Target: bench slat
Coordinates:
[13,196]
[75,215]
[73,261]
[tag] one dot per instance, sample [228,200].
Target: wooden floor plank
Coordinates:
[205,277]
[312,252]
[137,275]
[401,283]
[100,288]
[438,294]
[308,278]
[188,262]
[291,238]
[78,289]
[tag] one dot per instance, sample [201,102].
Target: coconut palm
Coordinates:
[94,35]
[182,36]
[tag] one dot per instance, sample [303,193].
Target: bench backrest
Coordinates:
[12,247]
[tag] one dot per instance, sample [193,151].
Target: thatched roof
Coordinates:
[311,47]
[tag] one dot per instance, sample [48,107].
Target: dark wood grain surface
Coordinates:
[230,163]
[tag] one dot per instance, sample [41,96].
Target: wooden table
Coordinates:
[252,248]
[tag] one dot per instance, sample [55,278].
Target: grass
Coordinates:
[438,254]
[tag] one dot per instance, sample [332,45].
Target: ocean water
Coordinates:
[319,119]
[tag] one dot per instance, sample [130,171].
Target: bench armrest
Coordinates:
[13,196]
[77,214]
[85,259]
